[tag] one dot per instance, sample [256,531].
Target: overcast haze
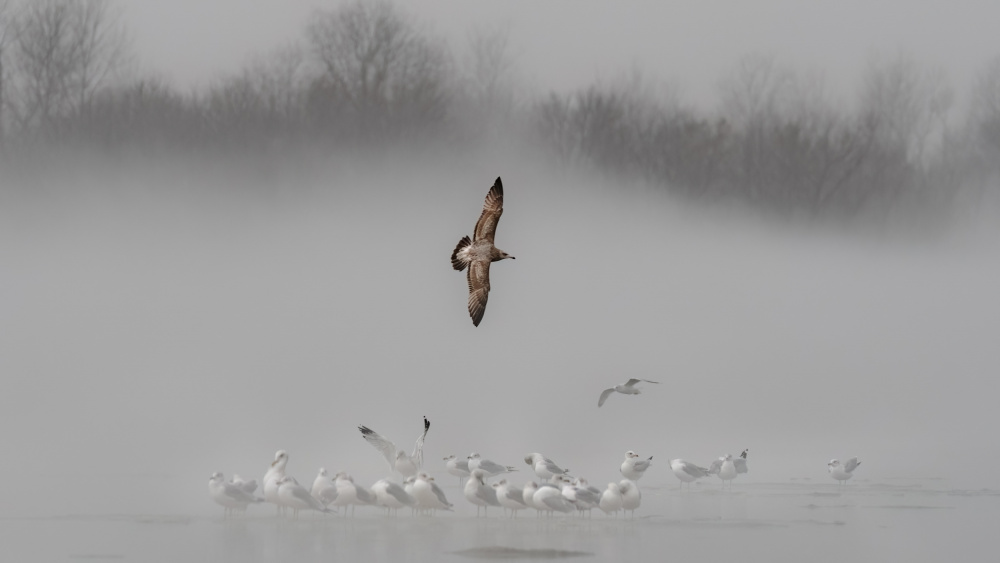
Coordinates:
[171,312]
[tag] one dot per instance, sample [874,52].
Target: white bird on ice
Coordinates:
[727,468]
[842,471]
[228,495]
[510,497]
[686,471]
[490,468]
[611,499]
[457,467]
[549,498]
[275,472]
[428,494]
[479,493]
[634,468]
[544,467]
[399,461]
[391,495]
[631,495]
[295,496]
[323,487]
[350,494]
[628,389]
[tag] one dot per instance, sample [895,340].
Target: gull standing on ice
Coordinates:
[457,467]
[428,494]
[490,468]
[611,499]
[392,496]
[628,389]
[478,252]
[510,497]
[634,468]
[631,495]
[842,471]
[687,472]
[549,498]
[544,467]
[247,486]
[323,487]
[479,493]
[728,468]
[295,496]
[351,494]
[274,473]
[229,496]
[399,461]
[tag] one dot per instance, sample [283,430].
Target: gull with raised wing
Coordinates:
[842,471]
[628,389]
[405,465]
[479,252]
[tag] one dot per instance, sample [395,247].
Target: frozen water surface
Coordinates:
[756,522]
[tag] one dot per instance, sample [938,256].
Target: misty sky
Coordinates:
[564,44]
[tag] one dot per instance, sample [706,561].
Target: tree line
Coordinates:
[368,74]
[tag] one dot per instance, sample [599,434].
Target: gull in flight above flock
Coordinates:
[478,252]
[406,465]
[628,389]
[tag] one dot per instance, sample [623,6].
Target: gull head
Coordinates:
[531,458]
[449,458]
[474,455]
[631,454]
[479,474]
[322,471]
[279,456]
[217,476]
[401,455]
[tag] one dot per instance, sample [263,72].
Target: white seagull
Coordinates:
[634,468]
[295,496]
[687,472]
[490,468]
[631,495]
[727,468]
[229,496]
[544,467]
[275,472]
[392,495]
[510,497]
[611,499]
[323,487]
[549,498]
[350,494]
[399,461]
[842,471]
[479,493]
[457,467]
[428,494]
[628,389]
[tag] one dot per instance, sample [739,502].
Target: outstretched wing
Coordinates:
[486,227]
[387,448]
[418,447]
[632,382]
[479,289]
[852,464]
[604,396]
[715,467]
[741,464]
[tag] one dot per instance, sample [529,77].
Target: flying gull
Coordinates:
[399,461]
[477,253]
[629,389]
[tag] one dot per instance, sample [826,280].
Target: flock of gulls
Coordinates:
[556,491]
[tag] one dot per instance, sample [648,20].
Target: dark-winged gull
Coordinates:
[398,460]
[628,389]
[478,252]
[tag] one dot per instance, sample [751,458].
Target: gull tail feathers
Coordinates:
[459,259]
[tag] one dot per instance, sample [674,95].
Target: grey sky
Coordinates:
[564,44]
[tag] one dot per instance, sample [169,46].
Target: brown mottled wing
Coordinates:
[479,289]
[486,227]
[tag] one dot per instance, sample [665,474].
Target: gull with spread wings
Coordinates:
[628,389]
[399,460]
[478,252]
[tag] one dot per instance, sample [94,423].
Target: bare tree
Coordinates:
[8,30]
[488,71]
[66,50]
[379,67]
